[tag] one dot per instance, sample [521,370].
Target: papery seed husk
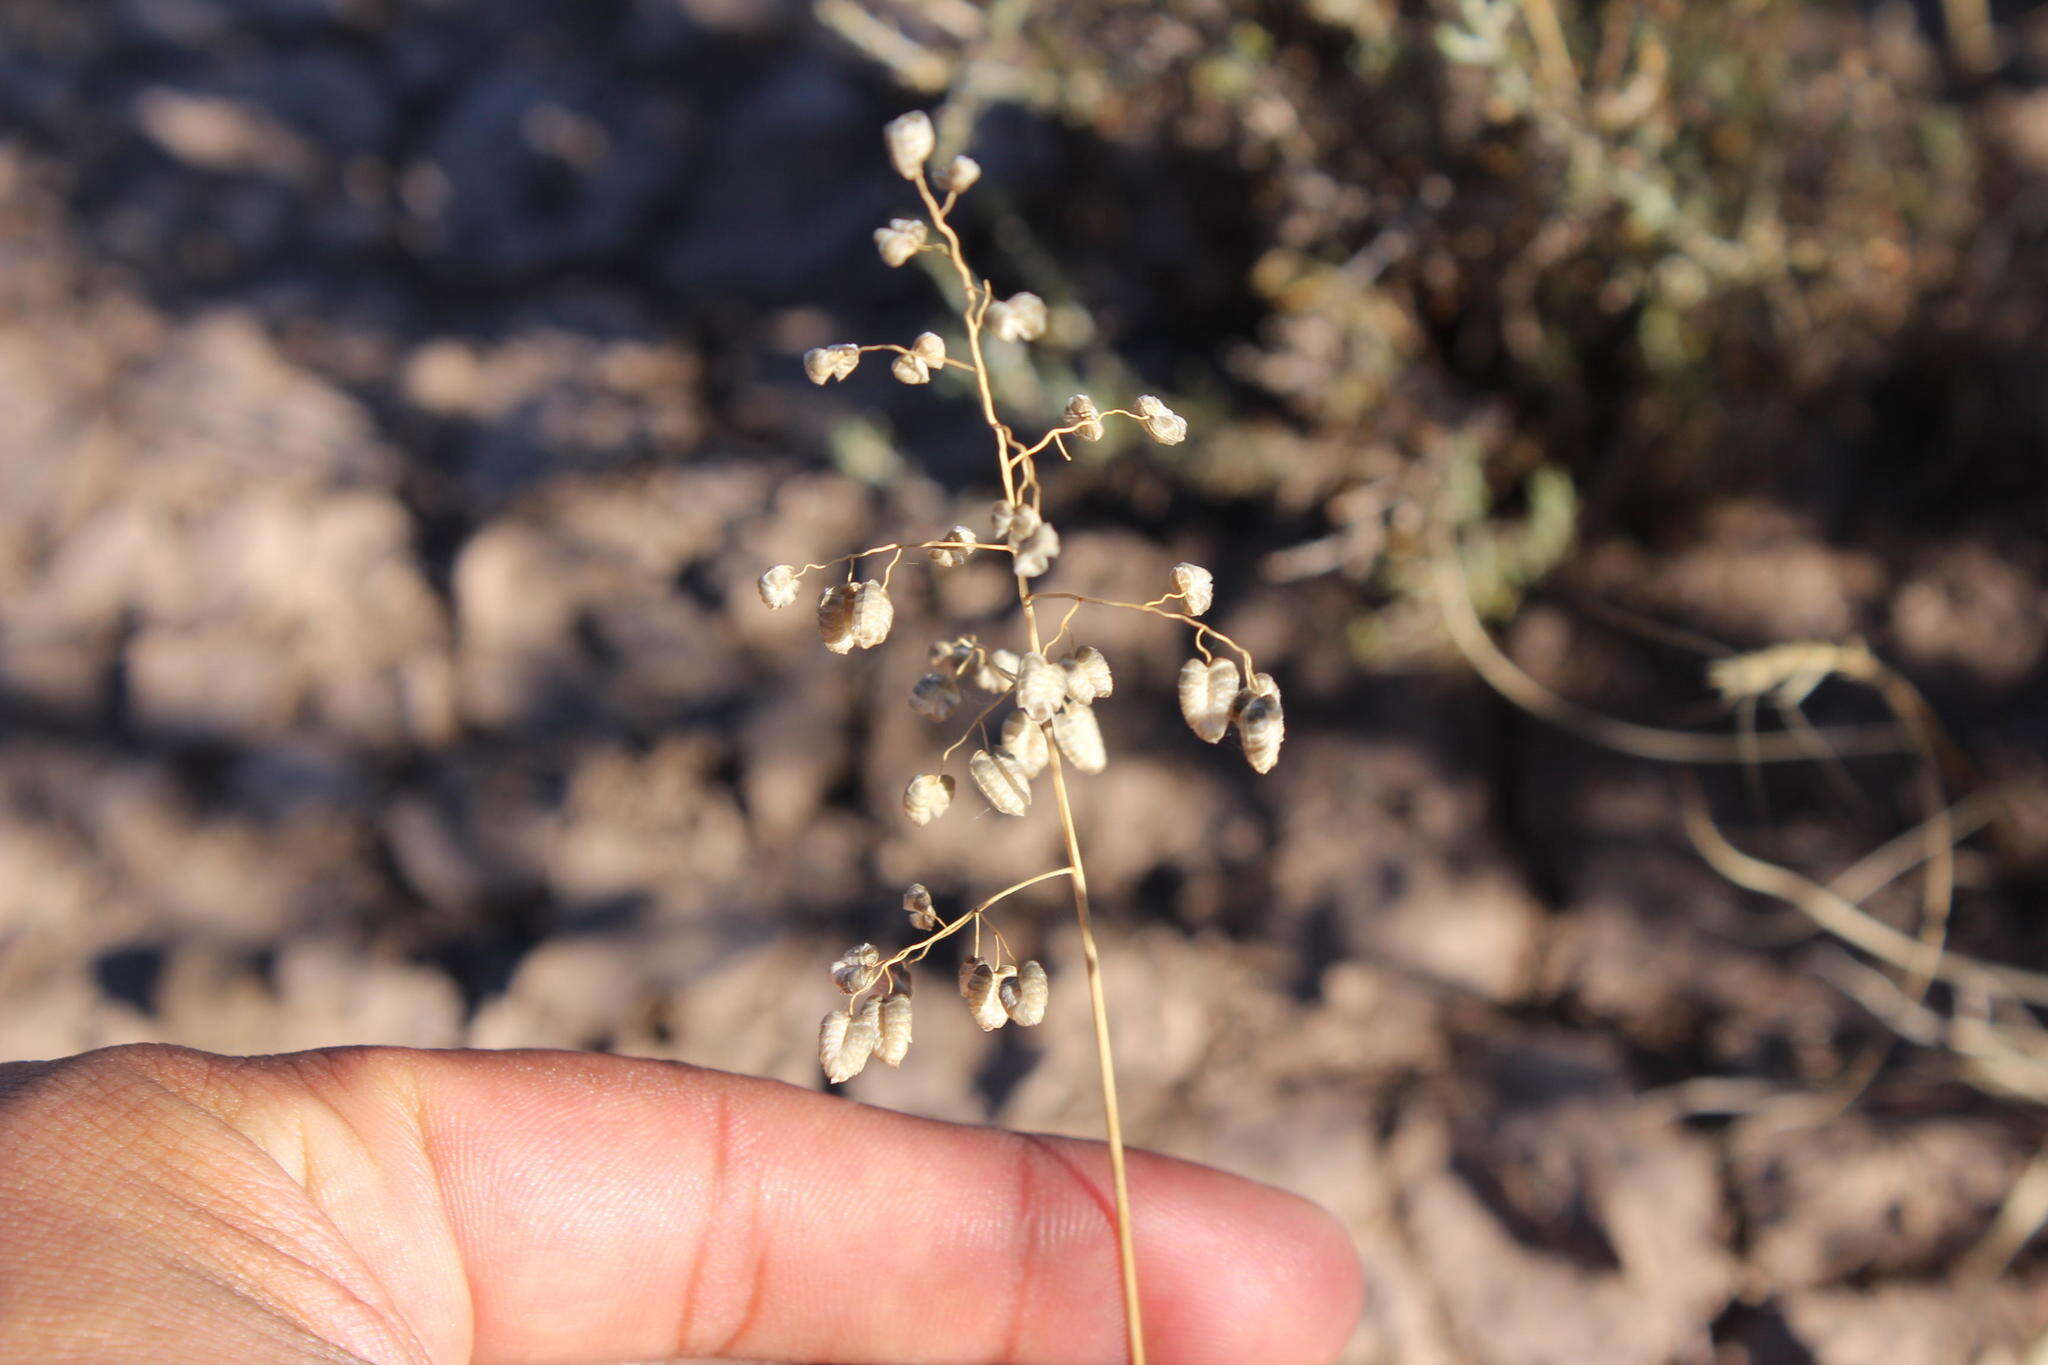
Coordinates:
[1024,523]
[950,556]
[998,674]
[899,241]
[832,1039]
[1088,677]
[928,796]
[1197,585]
[968,967]
[960,175]
[1041,686]
[1162,423]
[917,903]
[934,696]
[1037,553]
[1079,736]
[1024,995]
[1262,727]
[985,997]
[819,365]
[1082,413]
[929,347]
[911,369]
[947,654]
[778,586]
[835,617]
[1001,516]
[910,140]
[845,358]
[1206,691]
[857,968]
[1024,740]
[1021,317]
[872,615]
[862,1035]
[1002,780]
[895,1031]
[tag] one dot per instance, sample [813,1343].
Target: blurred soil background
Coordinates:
[398,399]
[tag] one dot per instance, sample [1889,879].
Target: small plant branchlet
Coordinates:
[1051,693]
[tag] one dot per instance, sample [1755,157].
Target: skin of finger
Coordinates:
[548,1206]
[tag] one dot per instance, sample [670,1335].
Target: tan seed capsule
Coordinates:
[835,617]
[948,655]
[1197,585]
[1262,727]
[959,175]
[998,672]
[1023,524]
[928,796]
[959,552]
[832,1040]
[1037,553]
[1162,423]
[910,140]
[819,366]
[1002,780]
[899,241]
[1075,730]
[1206,692]
[894,1041]
[917,903]
[983,993]
[1024,995]
[1024,740]
[1085,416]
[1021,317]
[910,369]
[968,967]
[1041,686]
[929,347]
[872,614]
[1088,677]
[857,968]
[778,586]
[934,696]
[859,1043]
[1000,518]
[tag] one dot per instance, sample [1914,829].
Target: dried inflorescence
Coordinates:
[1050,703]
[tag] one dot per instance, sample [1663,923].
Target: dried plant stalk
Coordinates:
[1056,696]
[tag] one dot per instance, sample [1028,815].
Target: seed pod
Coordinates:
[1024,995]
[1162,423]
[910,140]
[1262,727]
[968,967]
[1206,693]
[1197,585]
[928,796]
[1041,686]
[1023,524]
[899,241]
[823,363]
[929,347]
[911,369]
[856,1045]
[857,968]
[947,557]
[959,176]
[1075,730]
[982,990]
[917,903]
[1083,414]
[998,671]
[1088,677]
[778,586]
[1002,780]
[934,696]
[894,1039]
[872,614]
[1020,317]
[835,617]
[948,655]
[1001,516]
[1024,741]
[832,1040]
[1037,553]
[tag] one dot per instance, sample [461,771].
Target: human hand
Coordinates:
[398,1206]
